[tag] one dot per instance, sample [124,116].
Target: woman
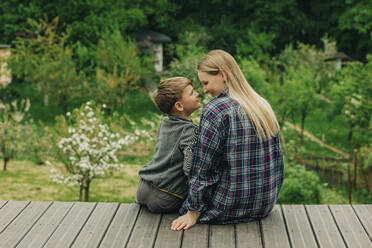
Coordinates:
[237,162]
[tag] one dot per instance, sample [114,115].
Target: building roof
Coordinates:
[339,55]
[152,36]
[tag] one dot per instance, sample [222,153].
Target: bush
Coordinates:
[300,186]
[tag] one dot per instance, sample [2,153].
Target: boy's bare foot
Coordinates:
[185,221]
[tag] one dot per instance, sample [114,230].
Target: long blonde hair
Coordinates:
[255,106]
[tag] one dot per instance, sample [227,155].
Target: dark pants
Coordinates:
[156,200]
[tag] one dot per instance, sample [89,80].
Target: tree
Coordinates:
[45,60]
[119,69]
[88,151]
[12,133]
[352,94]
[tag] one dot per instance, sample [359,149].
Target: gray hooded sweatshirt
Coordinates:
[170,166]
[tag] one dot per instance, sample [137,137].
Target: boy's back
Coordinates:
[172,159]
[163,184]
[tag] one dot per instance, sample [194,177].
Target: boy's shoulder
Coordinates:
[177,121]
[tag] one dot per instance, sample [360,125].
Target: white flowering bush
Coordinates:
[89,150]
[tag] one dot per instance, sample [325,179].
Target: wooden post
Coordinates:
[349,183]
[355,167]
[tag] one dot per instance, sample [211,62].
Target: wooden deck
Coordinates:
[75,224]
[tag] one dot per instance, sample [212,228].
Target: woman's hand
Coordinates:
[185,221]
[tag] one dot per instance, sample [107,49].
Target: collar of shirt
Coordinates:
[222,93]
[176,118]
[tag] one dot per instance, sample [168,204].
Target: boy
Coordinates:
[163,184]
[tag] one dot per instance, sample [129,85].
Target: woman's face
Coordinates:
[212,84]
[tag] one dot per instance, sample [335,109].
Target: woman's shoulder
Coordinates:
[220,103]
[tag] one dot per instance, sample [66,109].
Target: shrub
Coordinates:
[88,151]
[300,186]
[12,132]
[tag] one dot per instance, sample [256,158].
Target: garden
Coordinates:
[77,119]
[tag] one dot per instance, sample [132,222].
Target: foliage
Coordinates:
[365,167]
[12,132]
[46,61]
[300,186]
[356,21]
[352,94]
[307,74]
[256,44]
[255,75]
[189,51]
[89,150]
[119,69]
[40,142]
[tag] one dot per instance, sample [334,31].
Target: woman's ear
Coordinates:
[224,75]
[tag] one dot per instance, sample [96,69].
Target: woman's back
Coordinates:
[243,174]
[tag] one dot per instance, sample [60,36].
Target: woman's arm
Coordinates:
[205,171]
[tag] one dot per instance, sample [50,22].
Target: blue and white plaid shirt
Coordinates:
[235,177]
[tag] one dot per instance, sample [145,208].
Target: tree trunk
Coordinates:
[350,135]
[84,190]
[5,163]
[64,97]
[303,117]
[81,191]
[86,198]
[284,145]
[296,133]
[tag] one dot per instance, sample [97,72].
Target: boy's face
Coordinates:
[190,100]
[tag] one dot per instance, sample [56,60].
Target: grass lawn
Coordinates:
[25,180]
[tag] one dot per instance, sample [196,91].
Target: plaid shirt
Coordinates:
[235,177]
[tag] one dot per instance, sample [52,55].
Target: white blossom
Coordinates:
[89,149]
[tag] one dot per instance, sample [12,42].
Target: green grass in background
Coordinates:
[26,181]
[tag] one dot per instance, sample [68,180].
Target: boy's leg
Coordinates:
[156,200]
[143,192]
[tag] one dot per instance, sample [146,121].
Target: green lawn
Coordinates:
[25,180]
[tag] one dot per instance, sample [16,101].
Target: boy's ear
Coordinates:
[178,106]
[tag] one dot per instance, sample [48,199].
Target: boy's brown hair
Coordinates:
[169,92]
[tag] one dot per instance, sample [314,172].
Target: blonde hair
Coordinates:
[255,106]
[169,92]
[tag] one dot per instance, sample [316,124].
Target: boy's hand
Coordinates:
[185,221]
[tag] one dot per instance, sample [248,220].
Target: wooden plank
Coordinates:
[167,238]
[298,226]
[94,230]
[248,235]
[196,237]
[23,223]
[273,229]
[46,225]
[2,203]
[146,226]
[324,227]
[222,236]
[364,213]
[10,211]
[71,225]
[121,227]
[351,229]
